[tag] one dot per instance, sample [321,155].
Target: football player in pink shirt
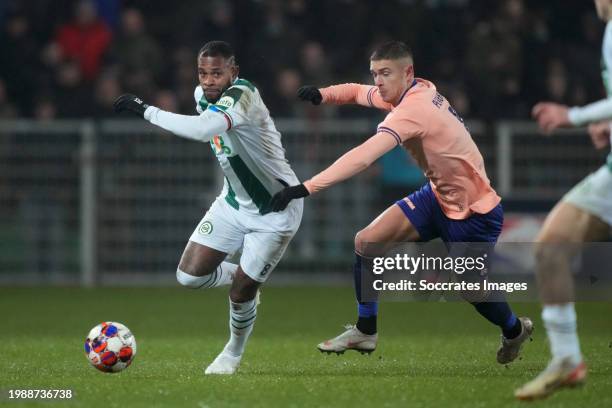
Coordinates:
[457,204]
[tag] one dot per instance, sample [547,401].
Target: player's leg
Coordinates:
[243,312]
[493,306]
[202,262]
[566,226]
[263,248]
[203,267]
[391,226]
[479,233]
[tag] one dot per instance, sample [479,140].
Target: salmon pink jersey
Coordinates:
[426,125]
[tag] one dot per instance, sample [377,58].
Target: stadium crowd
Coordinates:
[69,58]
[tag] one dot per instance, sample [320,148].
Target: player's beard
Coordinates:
[215,98]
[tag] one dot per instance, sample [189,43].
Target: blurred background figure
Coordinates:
[84,39]
[495,61]
[136,53]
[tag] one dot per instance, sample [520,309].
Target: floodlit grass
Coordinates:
[429,355]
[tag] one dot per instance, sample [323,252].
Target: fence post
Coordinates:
[503,135]
[88,210]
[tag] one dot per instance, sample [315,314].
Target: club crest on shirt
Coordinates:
[206,228]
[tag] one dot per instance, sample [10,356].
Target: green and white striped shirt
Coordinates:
[244,139]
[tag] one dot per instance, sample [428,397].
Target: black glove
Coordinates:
[131,103]
[310,93]
[281,200]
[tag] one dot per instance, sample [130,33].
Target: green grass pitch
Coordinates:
[429,355]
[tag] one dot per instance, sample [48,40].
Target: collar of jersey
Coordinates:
[414,82]
[204,94]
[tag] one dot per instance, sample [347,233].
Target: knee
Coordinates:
[542,252]
[194,269]
[188,280]
[549,253]
[361,242]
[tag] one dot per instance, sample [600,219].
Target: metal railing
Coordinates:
[85,201]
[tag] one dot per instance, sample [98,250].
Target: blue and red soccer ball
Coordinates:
[110,347]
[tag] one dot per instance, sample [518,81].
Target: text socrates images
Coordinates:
[435,271]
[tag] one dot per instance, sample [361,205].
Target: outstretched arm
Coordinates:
[343,94]
[351,163]
[201,127]
[591,113]
[551,116]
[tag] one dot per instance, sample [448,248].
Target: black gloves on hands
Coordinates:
[310,93]
[131,103]
[281,200]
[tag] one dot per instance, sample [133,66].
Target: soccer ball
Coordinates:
[110,347]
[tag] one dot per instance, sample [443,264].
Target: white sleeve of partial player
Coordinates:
[593,112]
[201,127]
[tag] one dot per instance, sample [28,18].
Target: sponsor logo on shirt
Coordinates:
[226,102]
[219,146]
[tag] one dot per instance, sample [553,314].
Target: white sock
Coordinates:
[223,275]
[226,273]
[560,323]
[242,319]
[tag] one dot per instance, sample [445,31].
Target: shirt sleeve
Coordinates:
[403,124]
[593,112]
[352,162]
[364,95]
[201,127]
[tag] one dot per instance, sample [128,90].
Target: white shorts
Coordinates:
[263,238]
[594,194]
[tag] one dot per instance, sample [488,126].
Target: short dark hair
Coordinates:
[217,49]
[391,50]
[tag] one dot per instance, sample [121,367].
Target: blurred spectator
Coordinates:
[107,89]
[284,102]
[210,20]
[166,100]
[185,77]
[491,59]
[44,109]
[7,110]
[495,67]
[314,63]
[274,43]
[85,39]
[18,59]
[135,50]
[556,81]
[460,101]
[109,11]
[72,96]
